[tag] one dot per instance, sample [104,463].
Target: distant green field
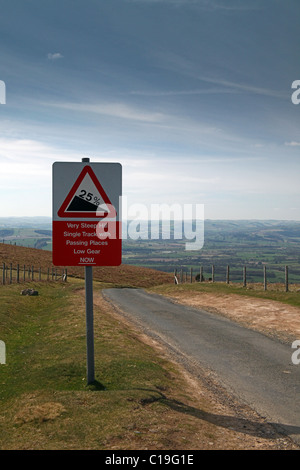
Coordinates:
[235,243]
[30,237]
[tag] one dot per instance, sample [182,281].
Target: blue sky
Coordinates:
[192,97]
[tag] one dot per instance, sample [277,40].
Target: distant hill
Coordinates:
[123,275]
[234,243]
[26,222]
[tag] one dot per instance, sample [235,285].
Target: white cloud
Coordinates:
[292,144]
[244,87]
[25,179]
[54,55]
[114,109]
[28,150]
[202,4]
[204,91]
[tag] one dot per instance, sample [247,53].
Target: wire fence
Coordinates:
[18,274]
[184,275]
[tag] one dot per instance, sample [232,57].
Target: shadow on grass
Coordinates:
[96,386]
[267,430]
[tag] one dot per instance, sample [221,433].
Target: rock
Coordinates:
[29,292]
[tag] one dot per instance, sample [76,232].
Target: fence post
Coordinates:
[32,273]
[10,273]
[286,279]
[227,275]
[213,273]
[201,273]
[24,273]
[265,277]
[18,273]
[191,275]
[3,274]
[244,277]
[181,276]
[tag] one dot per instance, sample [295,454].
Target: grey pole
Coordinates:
[286,279]
[89,315]
[265,277]
[89,323]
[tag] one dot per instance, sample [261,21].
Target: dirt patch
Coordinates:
[39,412]
[264,315]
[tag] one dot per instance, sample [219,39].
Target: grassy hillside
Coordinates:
[123,275]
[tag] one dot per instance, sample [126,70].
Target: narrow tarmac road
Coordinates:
[254,368]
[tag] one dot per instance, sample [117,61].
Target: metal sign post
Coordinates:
[89,316]
[85,194]
[89,320]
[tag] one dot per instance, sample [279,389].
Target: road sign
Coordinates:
[86,214]
[87,198]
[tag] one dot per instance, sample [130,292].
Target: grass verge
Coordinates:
[43,390]
[274,291]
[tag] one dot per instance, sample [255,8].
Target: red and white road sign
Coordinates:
[86,198]
[86,219]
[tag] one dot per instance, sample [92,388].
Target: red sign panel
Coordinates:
[78,244]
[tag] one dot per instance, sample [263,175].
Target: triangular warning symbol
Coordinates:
[87,198]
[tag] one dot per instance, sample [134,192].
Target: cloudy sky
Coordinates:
[192,97]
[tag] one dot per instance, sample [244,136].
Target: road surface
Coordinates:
[256,369]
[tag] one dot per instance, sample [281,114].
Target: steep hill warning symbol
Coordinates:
[87,198]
